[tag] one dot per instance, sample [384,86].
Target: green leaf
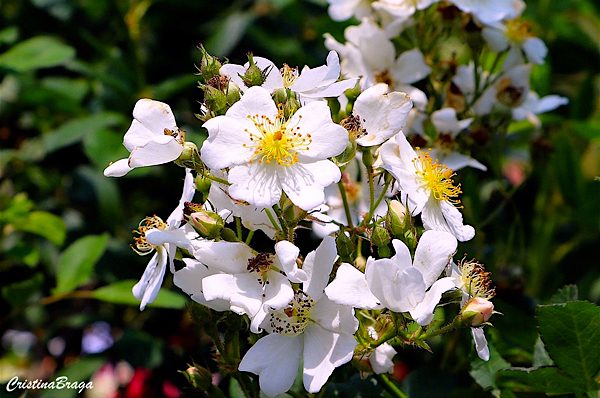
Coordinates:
[228,33]
[76,264]
[35,53]
[565,294]
[20,292]
[540,355]
[120,293]
[44,224]
[104,147]
[107,195]
[550,380]
[76,129]
[571,333]
[9,35]
[484,372]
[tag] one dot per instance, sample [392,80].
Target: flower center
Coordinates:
[384,77]
[289,75]
[517,31]
[437,178]
[353,125]
[508,93]
[445,143]
[141,245]
[476,281]
[276,141]
[292,320]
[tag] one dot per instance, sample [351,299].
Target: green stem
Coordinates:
[272,219]
[216,179]
[249,237]
[238,228]
[390,386]
[376,204]
[346,204]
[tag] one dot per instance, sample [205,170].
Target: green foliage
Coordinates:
[120,293]
[36,53]
[76,264]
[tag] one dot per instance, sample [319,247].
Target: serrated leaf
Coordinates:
[76,129]
[550,380]
[120,293]
[540,355]
[76,263]
[35,53]
[44,224]
[484,372]
[571,333]
[565,294]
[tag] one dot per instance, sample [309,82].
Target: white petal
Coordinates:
[177,237]
[535,49]
[228,142]
[350,288]
[255,101]
[410,67]
[234,71]
[402,257]
[247,293]
[229,257]
[383,114]
[397,289]
[189,279]
[256,183]
[550,102]
[319,76]
[327,138]
[423,313]
[323,352]
[495,39]
[318,265]
[275,359]
[274,79]
[445,121]
[480,343]
[162,149]
[304,183]
[118,168]
[277,295]
[381,359]
[433,253]
[334,90]
[189,189]
[287,254]
[457,161]
[443,216]
[148,287]
[154,115]
[218,287]
[334,317]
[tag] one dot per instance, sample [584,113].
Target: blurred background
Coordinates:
[70,74]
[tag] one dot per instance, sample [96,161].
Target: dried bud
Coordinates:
[199,377]
[254,76]
[189,157]
[208,224]
[477,311]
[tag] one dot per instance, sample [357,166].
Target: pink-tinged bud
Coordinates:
[477,311]
[208,224]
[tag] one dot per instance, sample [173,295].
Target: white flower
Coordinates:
[534,105]
[508,90]
[448,127]
[310,84]
[402,9]
[426,187]
[515,36]
[490,12]
[473,281]
[312,330]
[267,153]
[254,284]
[153,138]
[164,237]
[380,114]
[341,10]
[399,283]
[381,359]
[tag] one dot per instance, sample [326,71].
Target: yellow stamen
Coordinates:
[437,178]
[289,75]
[518,31]
[476,281]
[141,245]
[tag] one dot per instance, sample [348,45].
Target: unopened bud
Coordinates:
[367,159]
[280,95]
[229,235]
[209,66]
[254,76]
[233,93]
[345,247]
[380,236]
[208,224]
[215,99]
[396,218]
[199,377]
[203,185]
[477,311]
[189,157]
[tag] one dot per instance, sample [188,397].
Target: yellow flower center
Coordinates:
[141,245]
[518,31]
[276,141]
[384,77]
[476,281]
[293,319]
[437,178]
[289,75]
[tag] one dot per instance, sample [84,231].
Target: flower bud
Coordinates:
[207,223]
[396,218]
[209,66]
[254,76]
[215,99]
[189,157]
[345,247]
[367,159]
[199,377]
[280,95]
[233,93]
[203,185]
[477,311]
[353,93]
[360,263]
[380,236]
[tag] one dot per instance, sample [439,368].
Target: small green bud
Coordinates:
[397,219]
[229,235]
[280,95]
[207,223]
[199,377]
[345,246]
[233,93]
[410,238]
[380,236]
[209,66]
[367,159]
[203,185]
[189,157]
[215,99]
[334,106]
[254,76]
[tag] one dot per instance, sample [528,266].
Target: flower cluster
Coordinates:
[363,152]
